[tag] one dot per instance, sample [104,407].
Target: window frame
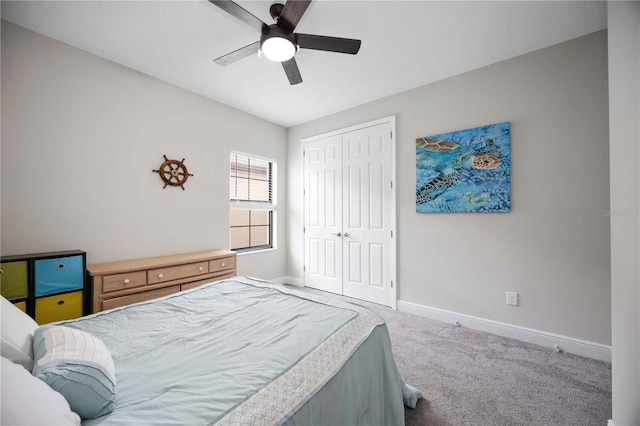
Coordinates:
[255,205]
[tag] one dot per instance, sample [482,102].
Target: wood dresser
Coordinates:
[122,283]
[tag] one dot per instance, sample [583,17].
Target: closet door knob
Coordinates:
[346,234]
[338,234]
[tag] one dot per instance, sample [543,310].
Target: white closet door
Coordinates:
[323,214]
[367,219]
[349,213]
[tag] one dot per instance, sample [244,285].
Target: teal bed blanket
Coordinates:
[245,351]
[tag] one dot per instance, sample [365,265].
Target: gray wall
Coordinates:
[553,247]
[80,138]
[624,97]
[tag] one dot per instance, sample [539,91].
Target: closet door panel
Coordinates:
[323,214]
[366,219]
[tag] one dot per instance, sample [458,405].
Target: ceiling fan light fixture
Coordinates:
[278,45]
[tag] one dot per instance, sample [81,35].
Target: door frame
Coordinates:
[393,249]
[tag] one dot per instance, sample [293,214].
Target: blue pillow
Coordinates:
[77,365]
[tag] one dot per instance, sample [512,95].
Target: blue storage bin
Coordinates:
[58,275]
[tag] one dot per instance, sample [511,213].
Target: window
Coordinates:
[252,202]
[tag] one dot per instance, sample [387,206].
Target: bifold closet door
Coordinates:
[366,219]
[323,214]
[348,196]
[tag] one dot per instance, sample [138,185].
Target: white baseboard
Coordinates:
[289,280]
[542,338]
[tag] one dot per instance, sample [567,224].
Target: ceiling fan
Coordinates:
[278,42]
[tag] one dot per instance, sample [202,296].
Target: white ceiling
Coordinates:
[405,44]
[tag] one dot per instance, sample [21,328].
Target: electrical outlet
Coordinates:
[512,298]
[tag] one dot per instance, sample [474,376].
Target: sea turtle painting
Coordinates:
[464,171]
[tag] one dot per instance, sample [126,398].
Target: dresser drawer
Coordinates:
[14,280]
[58,275]
[222,264]
[138,297]
[59,307]
[123,281]
[160,275]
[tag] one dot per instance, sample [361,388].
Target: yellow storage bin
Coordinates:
[22,306]
[58,307]
[13,280]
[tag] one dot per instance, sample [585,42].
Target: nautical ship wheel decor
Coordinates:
[173,172]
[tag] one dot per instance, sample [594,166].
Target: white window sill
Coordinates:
[243,253]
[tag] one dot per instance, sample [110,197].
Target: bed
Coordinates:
[237,351]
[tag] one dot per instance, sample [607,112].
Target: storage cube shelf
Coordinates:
[47,286]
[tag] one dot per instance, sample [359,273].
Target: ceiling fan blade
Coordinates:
[292,71]
[292,13]
[236,55]
[330,44]
[238,12]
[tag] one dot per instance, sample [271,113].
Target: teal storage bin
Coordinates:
[58,275]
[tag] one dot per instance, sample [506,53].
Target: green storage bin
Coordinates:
[14,279]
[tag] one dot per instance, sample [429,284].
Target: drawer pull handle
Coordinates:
[160,276]
[126,281]
[60,265]
[201,269]
[60,302]
[223,264]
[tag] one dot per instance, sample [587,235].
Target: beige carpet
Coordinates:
[470,377]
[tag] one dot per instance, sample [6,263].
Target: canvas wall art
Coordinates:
[464,171]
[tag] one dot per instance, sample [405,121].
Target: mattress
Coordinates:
[245,351]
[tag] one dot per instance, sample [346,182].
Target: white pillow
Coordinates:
[17,334]
[26,400]
[79,366]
